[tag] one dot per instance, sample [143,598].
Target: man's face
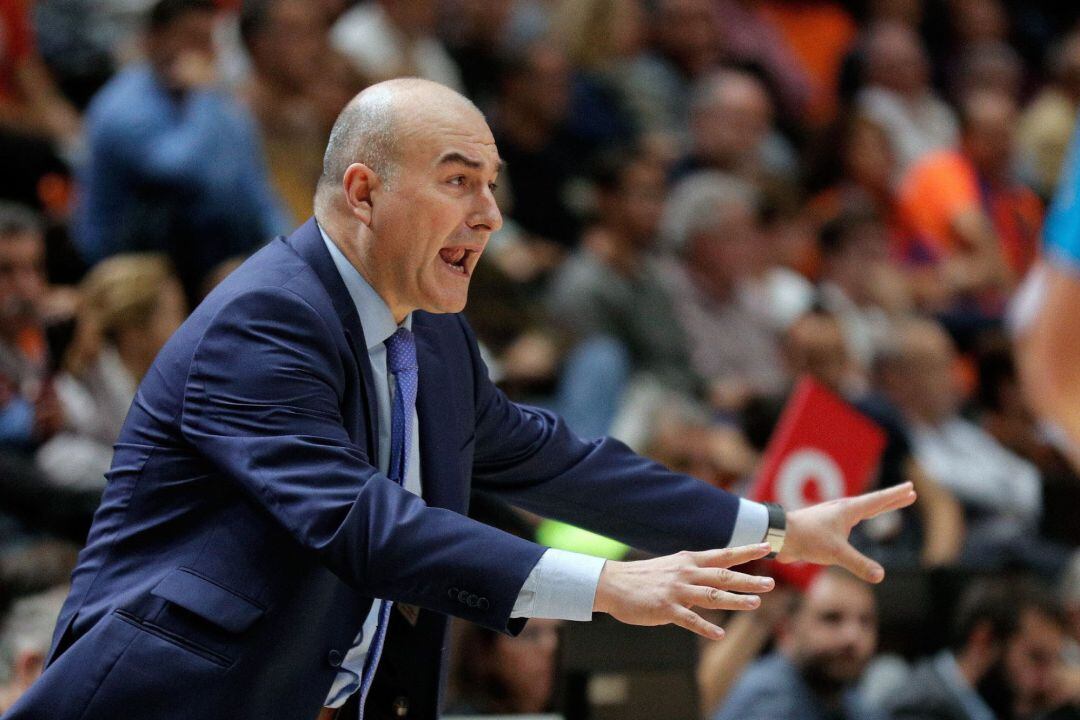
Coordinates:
[687,32]
[726,254]
[734,124]
[640,201]
[434,218]
[190,33]
[1031,663]
[22,278]
[833,635]
[854,268]
[930,382]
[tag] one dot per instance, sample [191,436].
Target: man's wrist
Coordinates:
[776,533]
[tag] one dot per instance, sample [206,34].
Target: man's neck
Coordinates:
[337,232]
[971,668]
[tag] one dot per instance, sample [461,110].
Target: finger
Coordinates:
[693,622]
[730,580]
[859,565]
[882,501]
[726,557]
[716,599]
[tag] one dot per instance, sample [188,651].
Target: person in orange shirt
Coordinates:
[969,223]
[819,34]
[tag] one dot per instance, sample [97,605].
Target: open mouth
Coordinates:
[458,259]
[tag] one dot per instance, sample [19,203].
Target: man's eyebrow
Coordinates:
[456,158]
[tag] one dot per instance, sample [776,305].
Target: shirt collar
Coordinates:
[375,316]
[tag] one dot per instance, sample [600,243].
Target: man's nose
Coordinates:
[486,214]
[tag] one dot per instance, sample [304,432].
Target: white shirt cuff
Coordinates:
[751,524]
[562,586]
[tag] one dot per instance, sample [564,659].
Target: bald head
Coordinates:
[375,125]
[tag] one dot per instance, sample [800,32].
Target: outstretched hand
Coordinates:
[819,533]
[662,590]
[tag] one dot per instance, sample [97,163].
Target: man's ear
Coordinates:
[358,182]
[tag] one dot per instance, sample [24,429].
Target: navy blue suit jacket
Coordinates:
[245,528]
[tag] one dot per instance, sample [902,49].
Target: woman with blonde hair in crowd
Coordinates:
[129,305]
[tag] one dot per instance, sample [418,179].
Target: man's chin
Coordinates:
[444,306]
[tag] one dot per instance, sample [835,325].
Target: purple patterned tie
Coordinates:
[401,361]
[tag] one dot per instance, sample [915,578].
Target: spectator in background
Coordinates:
[1006,413]
[854,167]
[711,229]
[686,47]
[1046,125]
[25,635]
[1002,662]
[174,164]
[898,95]
[818,33]
[970,220]
[748,39]
[823,646]
[929,534]
[495,674]
[130,305]
[731,131]
[989,66]
[1001,492]
[478,34]
[30,102]
[604,40]
[289,48]
[530,122]
[609,297]
[395,38]
[859,284]
[29,410]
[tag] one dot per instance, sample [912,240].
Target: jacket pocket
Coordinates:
[175,639]
[212,602]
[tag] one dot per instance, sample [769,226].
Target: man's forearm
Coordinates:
[563,584]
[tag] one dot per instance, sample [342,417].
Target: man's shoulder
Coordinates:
[925,693]
[274,283]
[129,93]
[769,687]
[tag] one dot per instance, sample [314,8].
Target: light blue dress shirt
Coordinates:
[563,584]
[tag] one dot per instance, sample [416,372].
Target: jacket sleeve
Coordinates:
[262,403]
[529,457]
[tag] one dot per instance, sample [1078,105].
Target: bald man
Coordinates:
[284,534]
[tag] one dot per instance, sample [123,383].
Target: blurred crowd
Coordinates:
[705,200]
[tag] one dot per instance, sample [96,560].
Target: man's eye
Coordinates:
[457,180]
[493,186]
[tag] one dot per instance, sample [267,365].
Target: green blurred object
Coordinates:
[553,533]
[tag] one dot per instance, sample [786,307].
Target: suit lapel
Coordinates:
[439,464]
[308,243]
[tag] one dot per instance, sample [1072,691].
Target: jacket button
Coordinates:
[401,707]
[334,658]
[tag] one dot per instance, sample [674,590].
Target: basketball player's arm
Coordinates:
[1048,351]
